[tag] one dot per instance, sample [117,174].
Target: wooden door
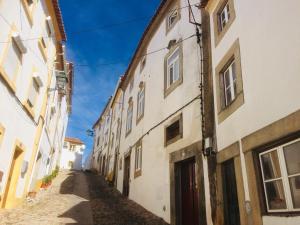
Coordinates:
[11,185]
[188,194]
[230,197]
[126,179]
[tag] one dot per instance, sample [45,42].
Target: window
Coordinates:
[33,93]
[228,78]
[280,170]
[29,7]
[72,147]
[173,132]
[138,160]
[49,26]
[42,48]
[229,84]
[172,18]
[129,117]
[173,68]
[106,138]
[140,102]
[10,66]
[65,144]
[223,17]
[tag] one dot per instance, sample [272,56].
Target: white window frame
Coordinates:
[173,15]
[232,83]
[284,177]
[226,13]
[138,158]
[141,102]
[171,64]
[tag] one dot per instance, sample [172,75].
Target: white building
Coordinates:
[255,53]
[29,51]
[71,154]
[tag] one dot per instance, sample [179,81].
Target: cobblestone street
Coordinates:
[67,201]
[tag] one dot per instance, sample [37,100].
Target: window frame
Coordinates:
[171,87]
[11,83]
[284,177]
[129,109]
[174,9]
[140,114]
[28,10]
[223,110]
[138,160]
[178,118]
[219,30]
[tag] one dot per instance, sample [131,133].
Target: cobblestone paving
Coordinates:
[79,198]
[65,202]
[111,208]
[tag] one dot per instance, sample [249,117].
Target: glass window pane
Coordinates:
[228,96]
[173,56]
[292,158]
[295,191]
[227,78]
[270,165]
[176,70]
[171,71]
[275,195]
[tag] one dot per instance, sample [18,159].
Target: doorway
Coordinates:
[13,177]
[230,197]
[187,199]
[126,179]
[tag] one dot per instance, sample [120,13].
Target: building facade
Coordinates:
[255,71]
[227,153]
[71,154]
[29,64]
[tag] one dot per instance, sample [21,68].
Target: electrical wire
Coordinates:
[93,29]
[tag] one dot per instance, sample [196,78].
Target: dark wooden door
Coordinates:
[126,179]
[230,198]
[189,208]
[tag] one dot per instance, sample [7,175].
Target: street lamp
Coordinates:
[90,133]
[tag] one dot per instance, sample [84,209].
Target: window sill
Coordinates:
[231,108]
[137,173]
[173,140]
[170,89]
[28,109]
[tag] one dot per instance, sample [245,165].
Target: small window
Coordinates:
[173,132]
[140,102]
[138,160]
[131,84]
[49,26]
[72,148]
[129,118]
[224,16]
[280,169]
[172,18]
[12,60]
[228,78]
[33,93]
[106,138]
[65,144]
[173,68]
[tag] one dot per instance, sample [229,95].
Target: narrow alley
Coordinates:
[79,198]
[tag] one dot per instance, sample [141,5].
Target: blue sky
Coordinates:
[116,43]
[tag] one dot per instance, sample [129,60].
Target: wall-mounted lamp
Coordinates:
[90,133]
